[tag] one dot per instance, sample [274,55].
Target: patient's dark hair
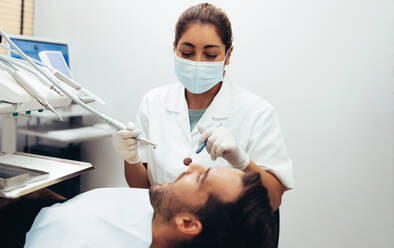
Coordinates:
[246,223]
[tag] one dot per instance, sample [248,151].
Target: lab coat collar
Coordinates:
[219,108]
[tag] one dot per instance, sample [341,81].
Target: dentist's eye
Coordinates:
[211,56]
[185,54]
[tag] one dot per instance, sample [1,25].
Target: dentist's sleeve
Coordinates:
[143,125]
[266,147]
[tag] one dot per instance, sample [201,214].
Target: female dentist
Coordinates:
[241,129]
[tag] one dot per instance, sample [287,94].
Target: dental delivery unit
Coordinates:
[27,84]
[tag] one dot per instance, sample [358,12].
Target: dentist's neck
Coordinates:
[202,101]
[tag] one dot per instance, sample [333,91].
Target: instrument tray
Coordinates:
[12,177]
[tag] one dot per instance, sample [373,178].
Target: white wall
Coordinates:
[325,65]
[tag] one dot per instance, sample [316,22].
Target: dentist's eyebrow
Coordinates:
[205,176]
[188,44]
[209,46]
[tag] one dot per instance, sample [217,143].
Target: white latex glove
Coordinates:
[221,143]
[125,144]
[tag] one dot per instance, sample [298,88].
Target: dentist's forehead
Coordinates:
[201,35]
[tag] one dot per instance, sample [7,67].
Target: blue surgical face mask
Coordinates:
[198,77]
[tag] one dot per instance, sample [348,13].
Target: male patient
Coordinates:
[218,207]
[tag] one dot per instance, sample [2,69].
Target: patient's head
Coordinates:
[217,207]
[192,189]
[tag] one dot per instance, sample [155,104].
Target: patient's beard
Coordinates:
[165,202]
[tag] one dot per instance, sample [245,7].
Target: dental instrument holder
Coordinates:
[71,95]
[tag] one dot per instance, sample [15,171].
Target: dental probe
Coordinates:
[121,126]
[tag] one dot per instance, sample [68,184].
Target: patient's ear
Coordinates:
[188,224]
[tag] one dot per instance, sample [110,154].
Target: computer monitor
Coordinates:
[33,45]
[56,60]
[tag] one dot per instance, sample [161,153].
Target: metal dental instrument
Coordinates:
[116,124]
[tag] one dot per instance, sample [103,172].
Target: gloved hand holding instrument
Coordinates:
[219,142]
[126,145]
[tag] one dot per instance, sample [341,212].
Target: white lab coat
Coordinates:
[163,117]
[110,217]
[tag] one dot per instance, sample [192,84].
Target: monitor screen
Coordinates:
[32,48]
[56,61]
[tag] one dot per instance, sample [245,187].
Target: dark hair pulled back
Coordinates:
[205,13]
